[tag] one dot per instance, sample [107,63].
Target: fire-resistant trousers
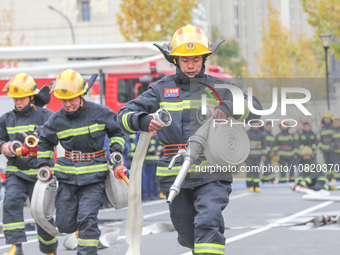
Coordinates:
[197,217]
[77,209]
[17,192]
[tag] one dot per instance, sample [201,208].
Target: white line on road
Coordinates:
[145,216]
[275,224]
[240,195]
[279,222]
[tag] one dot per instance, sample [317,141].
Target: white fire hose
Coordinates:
[221,143]
[116,189]
[43,201]
[134,224]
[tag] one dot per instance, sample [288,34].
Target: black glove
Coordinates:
[144,122]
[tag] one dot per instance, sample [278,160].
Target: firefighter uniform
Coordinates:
[268,175]
[310,174]
[81,176]
[21,173]
[325,142]
[184,210]
[81,173]
[306,138]
[197,210]
[258,149]
[285,149]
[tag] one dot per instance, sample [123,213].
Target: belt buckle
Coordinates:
[78,157]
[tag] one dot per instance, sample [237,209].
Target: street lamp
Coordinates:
[326,41]
[67,19]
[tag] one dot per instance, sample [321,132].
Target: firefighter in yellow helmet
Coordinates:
[311,174]
[326,140]
[197,210]
[80,127]
[21,172]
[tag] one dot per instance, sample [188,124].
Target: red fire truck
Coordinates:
[115,89]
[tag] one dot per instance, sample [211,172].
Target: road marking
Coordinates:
[9,246]
[240,195]
[275,224]
[279,222]
[145,216]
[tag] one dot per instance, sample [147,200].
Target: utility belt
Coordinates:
[172,149]
[84,156]
[255,146]
[286,148]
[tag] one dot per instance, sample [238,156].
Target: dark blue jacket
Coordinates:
[28,120]
[82,131]
[181,96]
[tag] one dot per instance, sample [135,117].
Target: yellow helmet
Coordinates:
[69,84]
[335,117]
[327,114]
[275,158]
[21,85]
[190,41]
[306,151]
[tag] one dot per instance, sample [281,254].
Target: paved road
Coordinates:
[257,223]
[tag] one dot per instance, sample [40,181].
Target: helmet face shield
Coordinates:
[69,84]
[21,85]
[66,85]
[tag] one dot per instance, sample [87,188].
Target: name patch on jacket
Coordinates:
[174,92]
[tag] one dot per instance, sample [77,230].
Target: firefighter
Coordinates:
[335,147]
[21,171]
[310,174]
[326,140]
[306,138]
[285,149]
[268,175]
[197,211]
[257,154]
[80,128]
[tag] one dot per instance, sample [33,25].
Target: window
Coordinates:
[126,90]
[85,10]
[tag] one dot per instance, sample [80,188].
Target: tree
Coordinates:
[324,16]
[153,20]
[228,56]
[284,56]
[6,30]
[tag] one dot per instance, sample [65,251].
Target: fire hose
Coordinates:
[43,201]
[116,189]
[134,224]
[45,191]
[221,143]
